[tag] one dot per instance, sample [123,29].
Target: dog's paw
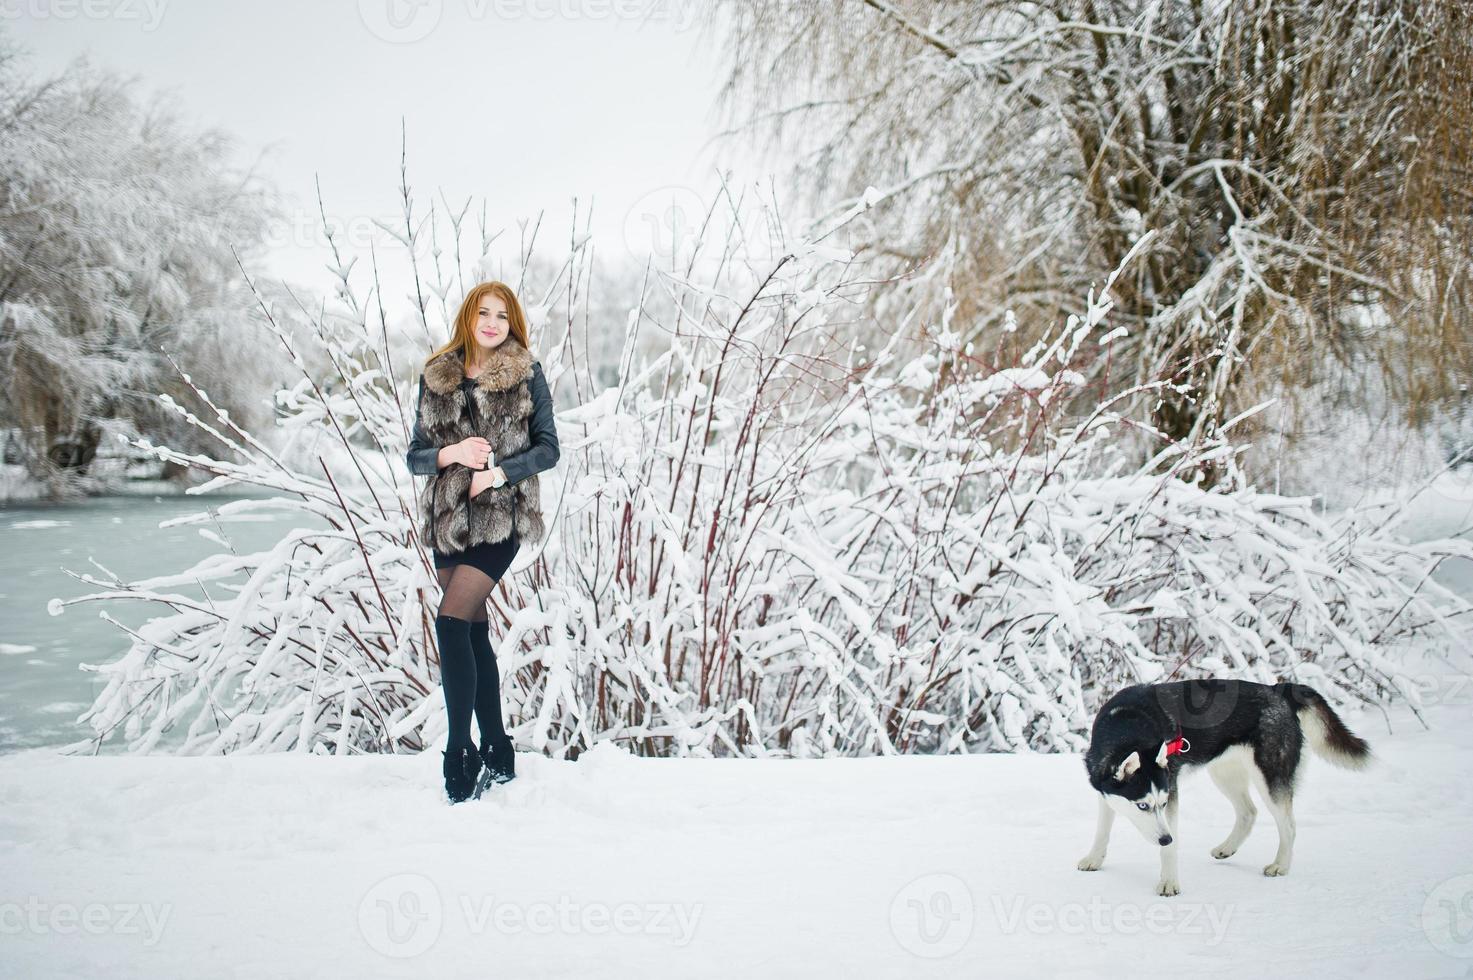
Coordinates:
[1167,888]
[1223,851]
[1091,862]
[1275,870]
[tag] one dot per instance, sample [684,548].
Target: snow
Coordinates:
[291,864]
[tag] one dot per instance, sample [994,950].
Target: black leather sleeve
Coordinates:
[422,458]
[542,453]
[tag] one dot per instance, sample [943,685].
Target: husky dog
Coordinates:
[1245,734]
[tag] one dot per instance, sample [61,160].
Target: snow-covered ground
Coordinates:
[288,866]
[292,865]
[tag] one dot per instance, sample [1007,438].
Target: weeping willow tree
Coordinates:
[1305,166]
[121,235]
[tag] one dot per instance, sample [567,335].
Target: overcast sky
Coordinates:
[527,102]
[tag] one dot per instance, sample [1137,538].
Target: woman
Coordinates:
[484,430]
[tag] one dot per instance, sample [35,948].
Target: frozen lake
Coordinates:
[41,689]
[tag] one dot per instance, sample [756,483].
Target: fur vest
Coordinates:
[496,407]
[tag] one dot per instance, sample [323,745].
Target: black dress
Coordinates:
[492,558]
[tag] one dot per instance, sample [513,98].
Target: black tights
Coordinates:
[469,673]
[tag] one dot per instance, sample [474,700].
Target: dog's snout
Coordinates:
[1165,839]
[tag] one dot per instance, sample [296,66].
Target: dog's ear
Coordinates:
[1161,756]
[1128,766]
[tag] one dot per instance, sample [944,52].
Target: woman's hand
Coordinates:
[472,452]
[487,478]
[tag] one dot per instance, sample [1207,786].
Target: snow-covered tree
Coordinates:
[121,235]
[1303,164]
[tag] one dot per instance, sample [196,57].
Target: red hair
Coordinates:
[463,331]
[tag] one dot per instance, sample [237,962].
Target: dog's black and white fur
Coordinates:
[1245,734]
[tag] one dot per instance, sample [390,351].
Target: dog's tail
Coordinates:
[1325,732]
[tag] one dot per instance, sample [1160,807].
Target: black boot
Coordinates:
[461,767]
[500,759]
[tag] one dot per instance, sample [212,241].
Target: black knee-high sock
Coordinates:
[488,685]
[457,678]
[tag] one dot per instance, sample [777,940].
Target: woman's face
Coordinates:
[492,324]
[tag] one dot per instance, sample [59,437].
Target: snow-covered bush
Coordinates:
[765,539]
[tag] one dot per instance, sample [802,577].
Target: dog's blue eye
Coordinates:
[1143,806]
